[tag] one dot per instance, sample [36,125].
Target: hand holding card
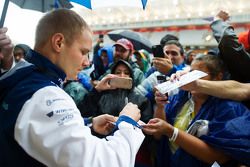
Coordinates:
[168,86]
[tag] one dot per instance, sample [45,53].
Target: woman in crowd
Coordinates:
[111,101]
[216,129]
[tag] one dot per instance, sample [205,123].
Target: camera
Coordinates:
[161,79]
[157,51]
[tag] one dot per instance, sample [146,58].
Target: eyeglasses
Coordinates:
[173,53]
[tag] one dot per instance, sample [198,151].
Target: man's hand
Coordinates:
[178,74]
[102,124]
[161,99]
[131,110]
[163,65]
[6,50]
[223,15]
[188,87]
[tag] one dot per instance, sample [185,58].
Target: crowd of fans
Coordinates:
[203,122]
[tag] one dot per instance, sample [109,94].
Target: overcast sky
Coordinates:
[22,22]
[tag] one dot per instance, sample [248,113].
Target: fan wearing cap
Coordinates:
[234,50]
[123,50]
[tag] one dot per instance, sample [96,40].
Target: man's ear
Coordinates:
[57,41]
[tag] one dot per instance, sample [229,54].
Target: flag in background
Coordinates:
[144,3]
[87,3]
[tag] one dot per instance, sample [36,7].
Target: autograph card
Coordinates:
[168,86]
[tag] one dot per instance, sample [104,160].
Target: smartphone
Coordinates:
[121,82]
[101,36]
[157,51]
[161,79]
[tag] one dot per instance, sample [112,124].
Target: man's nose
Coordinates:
[117,54]
[85,62]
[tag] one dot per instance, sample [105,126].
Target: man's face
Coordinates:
[74,58]
[173,52]
[121,53]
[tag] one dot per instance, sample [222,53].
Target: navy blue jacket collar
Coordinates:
[46,66]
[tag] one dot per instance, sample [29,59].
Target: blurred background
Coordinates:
[188,20]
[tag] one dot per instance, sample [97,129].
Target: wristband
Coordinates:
[88,121]
[174,135]
[128,120]
[125,119]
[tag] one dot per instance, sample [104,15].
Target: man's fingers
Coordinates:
[110,118]
[5,41]
[3,30]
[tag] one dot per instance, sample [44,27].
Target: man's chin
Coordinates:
[72,77]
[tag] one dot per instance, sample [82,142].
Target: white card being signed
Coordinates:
[168,86]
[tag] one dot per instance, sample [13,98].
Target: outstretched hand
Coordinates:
[178,74]
[223,15]
[188,87]
[157,127]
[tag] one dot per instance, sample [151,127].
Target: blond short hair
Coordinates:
[64,21]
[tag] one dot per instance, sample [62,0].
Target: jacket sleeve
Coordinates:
[229,130]
[50,129]
[138,76]
[147,86]
[236,58]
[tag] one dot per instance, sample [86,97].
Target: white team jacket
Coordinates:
[50,129]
